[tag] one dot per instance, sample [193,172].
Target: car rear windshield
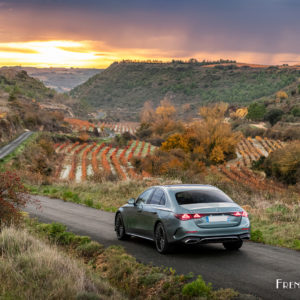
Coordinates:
[197,196]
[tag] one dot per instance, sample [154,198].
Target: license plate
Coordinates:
[216,219]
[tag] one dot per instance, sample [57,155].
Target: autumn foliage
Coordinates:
[12,197]
[210,140]
[200,143]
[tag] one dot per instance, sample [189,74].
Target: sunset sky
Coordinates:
[94,33]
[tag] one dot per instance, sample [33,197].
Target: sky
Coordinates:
[95,33]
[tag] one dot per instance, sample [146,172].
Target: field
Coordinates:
[78,125]
[84,160]
[239,170]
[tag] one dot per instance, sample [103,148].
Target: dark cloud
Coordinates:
[180,27]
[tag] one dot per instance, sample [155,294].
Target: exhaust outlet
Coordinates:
[191,241]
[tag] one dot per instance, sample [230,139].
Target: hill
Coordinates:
[123,88]
[25,102]
[61,79]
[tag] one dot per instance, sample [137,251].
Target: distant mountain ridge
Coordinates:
[123,88]
[61,79]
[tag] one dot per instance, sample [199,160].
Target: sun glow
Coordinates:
[49,54]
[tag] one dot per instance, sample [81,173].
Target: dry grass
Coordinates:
[31,269]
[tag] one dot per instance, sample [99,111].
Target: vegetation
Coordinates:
[123,272]
[12,197]
[204,142]
[32,269]
[283,164]
[126,86]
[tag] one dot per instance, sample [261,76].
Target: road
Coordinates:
[14,144]
[252,270]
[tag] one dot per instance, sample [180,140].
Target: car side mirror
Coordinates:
[131,201]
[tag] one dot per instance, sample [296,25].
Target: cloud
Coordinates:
[159,28]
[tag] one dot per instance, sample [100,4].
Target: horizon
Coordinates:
[94,34]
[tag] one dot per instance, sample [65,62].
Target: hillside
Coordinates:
[124,87]
[61,79]
[26,103]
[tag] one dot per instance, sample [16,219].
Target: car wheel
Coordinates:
[120,228]
[233,245]
[161,242]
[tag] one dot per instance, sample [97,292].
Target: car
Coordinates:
[189,214]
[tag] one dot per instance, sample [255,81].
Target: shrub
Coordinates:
[91,249]
[284,163]
[257,236]
[273,116]
[12,197]
[282,95]
[256,111]
[197,288]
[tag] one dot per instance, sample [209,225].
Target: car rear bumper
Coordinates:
[215,239]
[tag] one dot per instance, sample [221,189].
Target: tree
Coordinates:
[166,110]
[12,197]
[273,116]
[281,95]
[210,140]
[147,114]
[256,111]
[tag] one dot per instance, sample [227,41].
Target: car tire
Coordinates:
[120,228]
[160,238]
[233,245]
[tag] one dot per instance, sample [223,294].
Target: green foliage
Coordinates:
[273,116]
[197,288]
[57,233]
[128,85]
[256,111]
[257,236]
[284,163]
[89,249]
[296,111]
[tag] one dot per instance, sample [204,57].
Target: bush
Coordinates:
[256,111]
[284,163]
[91,249]
[257,236]
[12,197]
[197,288]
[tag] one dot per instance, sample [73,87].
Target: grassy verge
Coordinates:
[123,272]
[108,196]
[17,151]
[274,217]
[33,269]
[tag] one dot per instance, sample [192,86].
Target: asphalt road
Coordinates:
[252,270]
[14,144]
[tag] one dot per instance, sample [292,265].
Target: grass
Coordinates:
[123,272]
[108,196]
[17,151]
[33,269]
[274,216]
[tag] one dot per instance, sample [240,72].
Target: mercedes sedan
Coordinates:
[190,214]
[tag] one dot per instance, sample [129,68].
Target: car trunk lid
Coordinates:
[214,215]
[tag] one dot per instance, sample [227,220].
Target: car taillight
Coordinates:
[240,214]
[185,217]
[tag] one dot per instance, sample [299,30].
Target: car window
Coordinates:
[195,197]
[163,200]
[158,197]
[143,198]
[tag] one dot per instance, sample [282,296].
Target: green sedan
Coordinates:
[189,214]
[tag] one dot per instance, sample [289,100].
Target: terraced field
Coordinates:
[84,160]
[249,150]
[117,127]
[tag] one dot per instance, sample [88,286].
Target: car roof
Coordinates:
[187,186]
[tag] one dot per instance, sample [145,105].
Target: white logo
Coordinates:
[290,285]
